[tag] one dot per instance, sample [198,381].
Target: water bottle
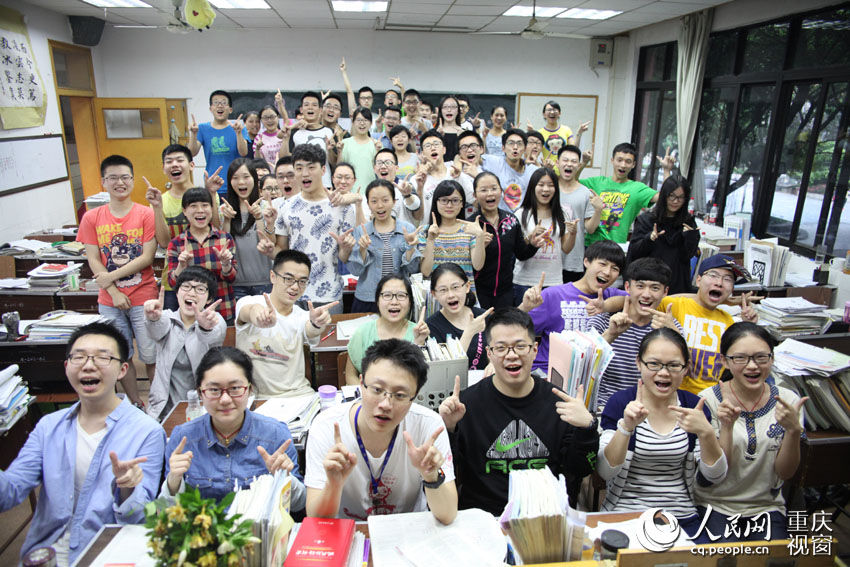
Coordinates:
[712,215]
[193,409]
[692,207]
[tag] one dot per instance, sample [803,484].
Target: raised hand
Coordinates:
[433,228]
[379,120]
[620,322]
[342,65]
[412,238]
[153,195]
[653,236]
[571,227]
[185,255]
[237,125]
[478,324]
[529,126]
[594,305]
[426,458]
[727,412]
[269,214]
[587,155]
[748,312]
[452,409]
[345,241]
[256,210]
[635,412]
[339,462]
[596,201]
[213,182]
[319,316]
[225,257]
[397,82]
[153,307]
[456,168]
[278,460]
[284,132]
[128,474]
[481,231]
[422,172]
[193,127]
[533,296]
[178,465]
[788,415]
[265,316]
[405,187]
[693,420]
[266,247]
[583,127]
[667,162]
[227,211]
[572,409]
[539,236]
[206,317]
[421,332]
[476,122]
[663,318]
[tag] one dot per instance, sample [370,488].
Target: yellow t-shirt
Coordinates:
[554,140]
[702,329]
[172,209]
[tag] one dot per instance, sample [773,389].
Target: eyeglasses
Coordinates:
[332,106]
[714,276]
[464,106]
[220,103]
[432,145]
[450,107]
[394,397]
[515,143]
[490,189]
[390,295]
[116,178]
[289,280]
[520,349]
[675,197]
[101,360]
[465,147]
[290,175]
[269,117]
[197,288]
[385,163]
[761,358]
[444,290]
[446,201]
[343,178]
[362,121]
[672,367]
[235,392]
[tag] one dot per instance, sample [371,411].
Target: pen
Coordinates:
[328,335]
[366,546]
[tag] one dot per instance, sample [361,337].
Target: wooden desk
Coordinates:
[325,357]
[31,303]
[83,301]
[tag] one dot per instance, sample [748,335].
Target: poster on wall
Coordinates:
[22,101]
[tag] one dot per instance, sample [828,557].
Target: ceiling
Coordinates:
[458,16]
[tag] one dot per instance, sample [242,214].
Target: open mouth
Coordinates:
[306,183]
[646,304]
[394,311]
[663,386]
[176,173]
[380,214]
[602,281]
[435,155]
[200,219]
[89,384]
[513,369]
[453,304]
[491,201]
[715,295]
[383,419]
[752,377]
[567,170]
[190,304]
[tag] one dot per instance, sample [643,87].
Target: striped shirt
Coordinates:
[454,247]
[387,255]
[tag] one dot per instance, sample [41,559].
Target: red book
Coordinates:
[321,542]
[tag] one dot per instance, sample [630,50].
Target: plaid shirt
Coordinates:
[203,255]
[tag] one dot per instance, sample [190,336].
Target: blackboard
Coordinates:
[31,161]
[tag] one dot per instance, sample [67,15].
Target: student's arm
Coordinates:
[241,142]
[154,197]
[592,223]
[25,472]
[789,417]
[119,300]
[429,458]
[195,142]
[618,427]
[426,265]
[642,243]
[479,249]
[349,92]
[352,377]
[337,464]
[568,240]
[129,503]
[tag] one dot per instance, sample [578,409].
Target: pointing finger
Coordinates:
[486,313]
[161,294]
[640,391]
[542,279]
[182,445]
[193,120]
[562,394]
[328,306]
[434,218]
[217,171]
[409,440]
[626,304]
[338,435]
[213,305]
[700,403]
[310,305]
[800,404]
[263,453]
[669,309]
[456,391]
[147,182]
[434,436]
[580,393]
[284,447]
[268,301]
[422,315]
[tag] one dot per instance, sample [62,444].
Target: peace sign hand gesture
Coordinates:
[278,460]
[595,305]
[635,412]
[206,317]
[421,332]
[452,409]
[533,296]
[748,312]
[727,412]
[405,187]
[667,162]
[319,316]
[128,474]
[572,409]
[788,415]
[620,322]
[538,236]
[426,458]
[153,307]
[345,240]
[663,319]
[412,238]
[339,462]
[653,236]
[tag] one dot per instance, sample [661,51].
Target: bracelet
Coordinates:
[622,428]
[315,326]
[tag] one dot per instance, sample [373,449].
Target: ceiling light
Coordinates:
[118,3]
[589,14]
[350,6]
[240,4]
[528,11]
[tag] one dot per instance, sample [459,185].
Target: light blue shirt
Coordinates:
[368,271]
[383,138]
[513,183]
[48,459]
[216,467]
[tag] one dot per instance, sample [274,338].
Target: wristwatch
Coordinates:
[441,478]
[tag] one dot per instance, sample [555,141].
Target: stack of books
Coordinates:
[267,503]
[579,358]
[787,317]
[327,542]
[14,397]
[58,325]
[296,412]
[767,261]
[51,275]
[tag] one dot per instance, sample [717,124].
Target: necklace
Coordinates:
[225,438]
[758,401]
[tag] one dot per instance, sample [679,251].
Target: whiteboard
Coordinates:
[30,162]
[575,109]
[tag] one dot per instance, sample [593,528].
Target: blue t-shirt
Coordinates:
[513,183]
[219,149]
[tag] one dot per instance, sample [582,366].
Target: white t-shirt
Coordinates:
[277,352]
[431,183]
[400,487]
[316,137]
[547,259]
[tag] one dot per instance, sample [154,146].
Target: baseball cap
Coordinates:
[724,262]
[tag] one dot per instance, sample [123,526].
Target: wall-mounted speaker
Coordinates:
[86,30]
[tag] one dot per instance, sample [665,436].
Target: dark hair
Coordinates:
[452,268]
[334,96]
[671,335]
[101,328]
[509,316]
[412,92]
[403,354]
[386,151]
[269,107]
[625,148]
[740,330]
[462,97]
[343,164]
[361,111]
[258,163]
[224,94]
[659,211]
[362,90]
[648,269]
[534,134]
[311,94]
[529,202]
[250,112]
[311,153]
[470,133]
[238,225]
[440,110]
[220,355]
[607,250]
[285,160]
[495,108]
[397,93]
[197,195]
[444,189]
[380,183]
[391,277]
[514,132]
[195,273]
[570,148]
[114,160]
[432,133]
[428,104]
[393,108]
[553,104]
[292,256]
[265,178]
[481,176]
[176,148]
[398,129]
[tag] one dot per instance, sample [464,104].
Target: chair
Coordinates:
[230,337]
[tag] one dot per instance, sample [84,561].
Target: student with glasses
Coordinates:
[359,149]
[657,443]
[449,125]
[221,140]
[513,420]
[271,329]
[668,232]
[382,454]
[230,445]
[394,299]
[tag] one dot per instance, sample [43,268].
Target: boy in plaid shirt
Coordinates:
[205,246]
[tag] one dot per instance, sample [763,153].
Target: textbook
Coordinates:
[267,502]
[321,542]
[578,358]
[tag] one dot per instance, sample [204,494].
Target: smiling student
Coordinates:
[222,141]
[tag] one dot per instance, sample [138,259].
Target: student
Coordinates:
[182,337]
[511,169]
[309,223]
[375,455]
[584,202]
[703,322]
[669,232]
[646,281]
[385,245]
[534,149]
[407,161]
[120,242]
[310,130]
[513,420]
[268,189]
[434,169]
[344,178]
[268,142]
[449,125]
[97,462]
[331,112]
[391,119]
[463,110]
[204,246]
[570,305]
[365,96]
[657,443]
[555,135]
[284,171]
[470,149]
[493,136]
[623,197]
[760,426]
[271,329]
[359,150]
[413,121]
[408,205]
[222,141]
[229,446]
[252,128]
[260,166]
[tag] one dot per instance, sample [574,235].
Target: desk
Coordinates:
[325,357]
[82,301]
[41,364]
[31,303]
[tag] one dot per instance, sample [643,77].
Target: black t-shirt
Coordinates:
[499,434]
[440,328]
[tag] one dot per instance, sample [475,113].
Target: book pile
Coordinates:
[445,361]
[786,317]
[737,226]
[346,328]
[327,542]
[51,275]
[821,374]
[579,358]
[266,502]
[58,325]
[296,412]
[14,397]
[538,518]
[766,261]
[24,246]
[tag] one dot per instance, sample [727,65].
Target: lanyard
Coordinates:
[373,479]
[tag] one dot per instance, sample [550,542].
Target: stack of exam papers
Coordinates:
[578,358]
[786,317]
[50,275]
[296,412]
[14,397]
[58,325]
[345,329]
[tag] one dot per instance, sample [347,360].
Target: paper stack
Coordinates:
[766,261]
[266,502]
[24,246]
[445,361]
[579,358]
[538,518]
[296,412]
[737,226]
[58,325]
[51,275]
[14,397]
[786,317]
[345,329]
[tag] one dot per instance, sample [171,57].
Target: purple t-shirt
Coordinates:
[562,309]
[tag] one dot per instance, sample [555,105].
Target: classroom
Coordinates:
[765,124]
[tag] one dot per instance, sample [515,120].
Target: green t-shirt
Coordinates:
[365,336]
[623,202]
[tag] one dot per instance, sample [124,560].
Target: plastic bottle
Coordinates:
[692,207]
[712,215]
[193,409]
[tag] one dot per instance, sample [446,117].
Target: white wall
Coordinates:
[51,205]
